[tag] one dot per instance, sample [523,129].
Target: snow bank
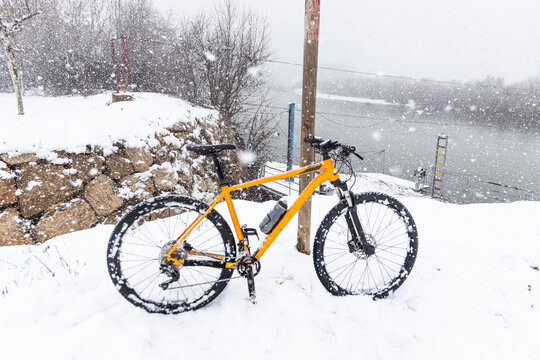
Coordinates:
[71,123]
[473,293]
[349,98]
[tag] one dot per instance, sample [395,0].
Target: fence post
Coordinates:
[290,139]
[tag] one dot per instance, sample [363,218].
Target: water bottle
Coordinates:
[271,219]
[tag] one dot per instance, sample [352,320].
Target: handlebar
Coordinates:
[326,145]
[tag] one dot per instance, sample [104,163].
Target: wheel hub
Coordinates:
[179,254]
[356,248]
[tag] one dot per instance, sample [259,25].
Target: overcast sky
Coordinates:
[459,39]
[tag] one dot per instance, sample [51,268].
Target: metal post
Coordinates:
[125,54]
[384,161]
[291,139]
[116,82]
[309,96]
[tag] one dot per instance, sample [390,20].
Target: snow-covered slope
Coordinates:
[474,293]
[71,123]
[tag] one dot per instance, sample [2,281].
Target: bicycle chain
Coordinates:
[204,283]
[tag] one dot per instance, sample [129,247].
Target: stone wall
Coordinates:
[41,199]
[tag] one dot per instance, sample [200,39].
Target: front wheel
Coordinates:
[388,227]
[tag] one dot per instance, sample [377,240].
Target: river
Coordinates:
[397,139]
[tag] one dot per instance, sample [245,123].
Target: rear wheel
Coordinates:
[142,238]
[388,226]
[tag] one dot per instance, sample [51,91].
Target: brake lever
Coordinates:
[358,156]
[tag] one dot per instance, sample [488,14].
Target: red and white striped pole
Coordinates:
[125,54]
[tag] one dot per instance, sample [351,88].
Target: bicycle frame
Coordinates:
[327,173]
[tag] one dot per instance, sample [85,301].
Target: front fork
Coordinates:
[358,241]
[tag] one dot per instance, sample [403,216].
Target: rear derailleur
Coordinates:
[167,267]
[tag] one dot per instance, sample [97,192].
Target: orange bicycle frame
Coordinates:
[327,172]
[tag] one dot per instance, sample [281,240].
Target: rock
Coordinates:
[140,188]
[7,189]
[12,229]
[70,217]
[114,217]
[118,167]
[88,166]
[186,174]
[42,186]
[121,97]
[171,142]
[165,178]
[208,185]
[181,190]
[102,195]
[140,159]
[62,158]
[18,160]
[160,156]
[200,169]
[178,128]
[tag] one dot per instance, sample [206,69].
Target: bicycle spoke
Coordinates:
[136,249]
[387,226]
[336,258]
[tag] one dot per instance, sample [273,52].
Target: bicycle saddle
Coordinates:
[209,149]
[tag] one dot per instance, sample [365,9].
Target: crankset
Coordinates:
[246,262]
[249,267]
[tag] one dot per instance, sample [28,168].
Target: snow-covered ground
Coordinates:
[349,98]
[72,122]
[474,293]
[362,181]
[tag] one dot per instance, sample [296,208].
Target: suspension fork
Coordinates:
[358,239]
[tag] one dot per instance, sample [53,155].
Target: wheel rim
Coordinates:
[138,258]
[387,229]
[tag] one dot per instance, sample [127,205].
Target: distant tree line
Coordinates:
[212,59]
[67,48]
[485,102]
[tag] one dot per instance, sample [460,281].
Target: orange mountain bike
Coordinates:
[173,253]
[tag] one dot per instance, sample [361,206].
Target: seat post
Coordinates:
[222,181]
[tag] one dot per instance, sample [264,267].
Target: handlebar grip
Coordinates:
[313,140]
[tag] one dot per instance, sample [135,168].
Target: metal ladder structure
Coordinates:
[438,168]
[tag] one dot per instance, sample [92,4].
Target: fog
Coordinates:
[459,40]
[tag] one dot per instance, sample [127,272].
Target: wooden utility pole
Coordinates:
[309,94]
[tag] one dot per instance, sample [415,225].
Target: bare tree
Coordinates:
[253,130]
[220,61]
[7,32]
